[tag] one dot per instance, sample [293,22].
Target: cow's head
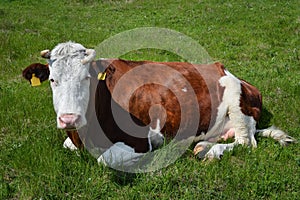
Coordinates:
[68,67]
[70,80]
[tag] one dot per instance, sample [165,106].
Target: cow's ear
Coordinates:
[39,70]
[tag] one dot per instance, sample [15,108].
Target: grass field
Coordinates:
[258,41]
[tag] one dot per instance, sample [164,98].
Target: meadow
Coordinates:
[258,41]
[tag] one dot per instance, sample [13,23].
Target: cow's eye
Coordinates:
[51,61]
[53,82]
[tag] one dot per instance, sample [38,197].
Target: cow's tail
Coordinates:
[277,134]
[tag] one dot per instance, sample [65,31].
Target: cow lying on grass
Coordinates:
[167,99]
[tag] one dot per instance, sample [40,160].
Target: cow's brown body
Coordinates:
[203,79]
[208,91]
[153,94]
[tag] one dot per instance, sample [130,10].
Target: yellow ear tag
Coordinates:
[101,76]
[35,81]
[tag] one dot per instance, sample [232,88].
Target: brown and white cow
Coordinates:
[163,99]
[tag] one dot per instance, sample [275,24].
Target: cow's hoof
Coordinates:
[101,160]
[201,149]
[209,156]
[68,144]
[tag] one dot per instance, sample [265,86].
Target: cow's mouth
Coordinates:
[69,121]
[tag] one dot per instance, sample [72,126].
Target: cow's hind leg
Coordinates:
[277,134]
[244,130]
[242,125]
[210,150]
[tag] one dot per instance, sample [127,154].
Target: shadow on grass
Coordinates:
[123,178]
[265,119]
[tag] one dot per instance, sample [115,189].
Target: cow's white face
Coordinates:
[70,80]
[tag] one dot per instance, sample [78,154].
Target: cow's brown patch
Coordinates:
[251,100]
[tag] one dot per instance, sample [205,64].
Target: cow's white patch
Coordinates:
[155,138]
[230,75]
[184,89]
[68,144]
[230,101]
[217,150]
[244,125]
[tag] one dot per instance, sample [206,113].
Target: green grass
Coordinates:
[258,41]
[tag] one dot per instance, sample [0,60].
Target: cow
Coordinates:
[160,100]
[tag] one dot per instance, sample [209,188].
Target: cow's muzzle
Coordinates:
[68,121]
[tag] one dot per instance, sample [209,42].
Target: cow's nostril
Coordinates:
[77,120]
[69,120]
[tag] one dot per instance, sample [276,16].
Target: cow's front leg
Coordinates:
[73,142]
[155,138]
[119,155]
[209,150]
[75,139]
[217,150]
[68,144]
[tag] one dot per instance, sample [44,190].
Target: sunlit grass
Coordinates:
[258,41]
